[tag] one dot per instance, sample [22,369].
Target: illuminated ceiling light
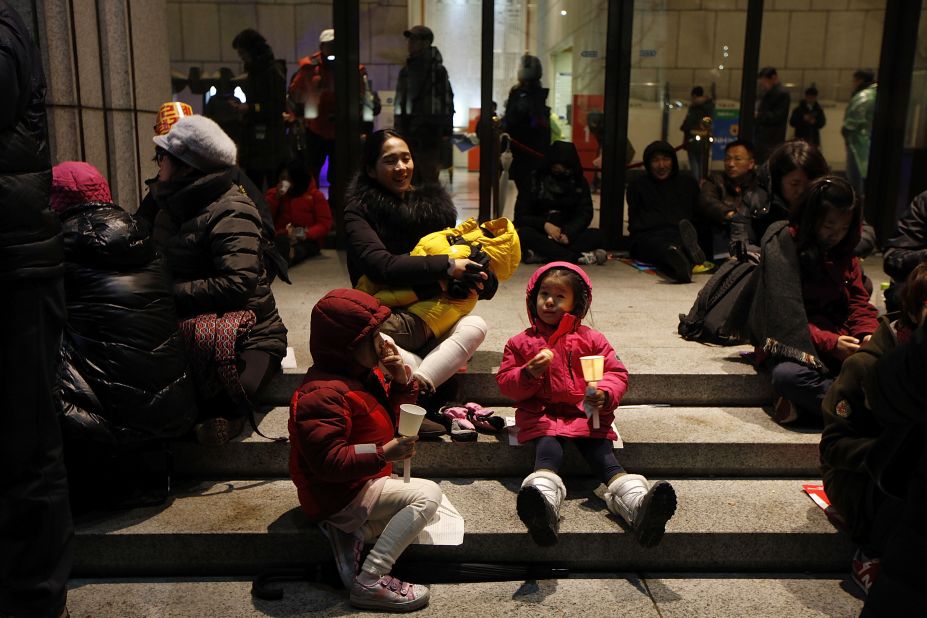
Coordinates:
[720,67]
[212,91]
[240,94]
[562,13]
[725,48]
[332,58]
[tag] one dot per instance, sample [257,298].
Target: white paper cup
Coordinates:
[593,367]
[410,420]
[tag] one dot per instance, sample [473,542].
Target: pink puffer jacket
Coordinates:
[552,405]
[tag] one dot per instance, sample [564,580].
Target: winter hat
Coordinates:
[327,36]
[422,33]
[76,182]
[529,69]
[340,321]
[200,143]
[169,114]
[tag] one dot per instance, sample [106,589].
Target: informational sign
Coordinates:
[648,53]
[589,53]
[725,128]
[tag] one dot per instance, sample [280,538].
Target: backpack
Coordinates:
[709,319]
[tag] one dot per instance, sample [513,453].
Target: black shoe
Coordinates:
[678,266]
[430,429]
[655,510]
[538,515]
[690,242]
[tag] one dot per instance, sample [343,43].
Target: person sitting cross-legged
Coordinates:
[661,204]
[553,215]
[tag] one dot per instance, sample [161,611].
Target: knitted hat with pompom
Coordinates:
[200,143]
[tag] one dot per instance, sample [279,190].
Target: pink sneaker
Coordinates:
[390,594]
[483,419]
[864,571]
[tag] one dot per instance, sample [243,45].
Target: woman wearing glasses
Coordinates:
[209,231]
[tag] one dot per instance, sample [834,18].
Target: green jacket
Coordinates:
[857,126]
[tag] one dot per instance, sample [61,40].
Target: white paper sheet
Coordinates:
[289,361]
[512,432]
[446,527]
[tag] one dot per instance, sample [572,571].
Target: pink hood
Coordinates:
[536,278]
[76,182]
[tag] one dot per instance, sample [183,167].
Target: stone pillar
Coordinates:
[108,71]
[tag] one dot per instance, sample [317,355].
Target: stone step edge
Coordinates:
[721,524]
[720,389]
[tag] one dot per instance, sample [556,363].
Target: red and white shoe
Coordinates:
[864,570]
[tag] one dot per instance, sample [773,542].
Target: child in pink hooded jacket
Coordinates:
[541,371]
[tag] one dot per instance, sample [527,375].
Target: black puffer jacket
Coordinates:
[659,205]
[209,231]
[382,229]
[563,200]
[123,376]
[30,241]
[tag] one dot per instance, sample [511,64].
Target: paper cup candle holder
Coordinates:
[410,420]
[593,366]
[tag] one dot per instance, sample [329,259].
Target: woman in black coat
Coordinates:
[209,231]
[385,216]
[124,383]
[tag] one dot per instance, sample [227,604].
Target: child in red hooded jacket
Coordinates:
[302,217]
[342,432]
[542,372]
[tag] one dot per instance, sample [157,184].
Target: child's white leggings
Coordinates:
[401,513]
[450,354]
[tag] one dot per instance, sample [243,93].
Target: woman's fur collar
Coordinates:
[400,223]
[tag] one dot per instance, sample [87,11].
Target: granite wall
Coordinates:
[107,69]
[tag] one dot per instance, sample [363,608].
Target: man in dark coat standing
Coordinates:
[772,114]
[808,118]
[35,518]
[424,103]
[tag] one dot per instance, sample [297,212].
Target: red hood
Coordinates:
[565,325]
[76,182]
[339,321]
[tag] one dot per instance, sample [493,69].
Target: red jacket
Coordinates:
[343,414]
[309,210]
[552,405]
[837,303]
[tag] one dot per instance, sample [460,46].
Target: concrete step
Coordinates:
[688,388]
[649,595]
[711,441]
[244,527]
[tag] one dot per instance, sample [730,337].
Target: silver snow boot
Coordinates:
[646,508]
[538,506]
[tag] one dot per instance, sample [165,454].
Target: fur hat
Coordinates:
[200,143]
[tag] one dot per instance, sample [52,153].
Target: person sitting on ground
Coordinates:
[851,429]
[542,371]
[385,216]
[493,244]
[661,204]
[554,211]
[785,178]
[275,263]
[124,383]
[343,423]
[810,310]
[725,194]
[905,249]
[897,461]
[209,232]
[302,218]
